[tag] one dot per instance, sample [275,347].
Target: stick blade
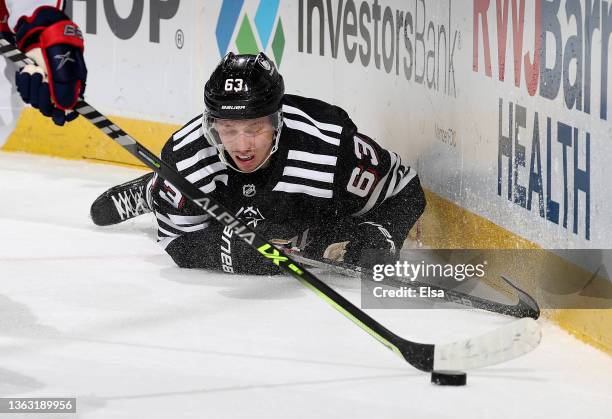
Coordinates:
[500,345]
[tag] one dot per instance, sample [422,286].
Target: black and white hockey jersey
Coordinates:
[325,178]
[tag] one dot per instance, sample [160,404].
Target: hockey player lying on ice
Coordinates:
[294,168]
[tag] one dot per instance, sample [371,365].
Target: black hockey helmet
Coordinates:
[244,87]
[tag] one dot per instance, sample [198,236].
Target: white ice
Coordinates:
[103,315]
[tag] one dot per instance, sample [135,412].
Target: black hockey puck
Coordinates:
[449,378]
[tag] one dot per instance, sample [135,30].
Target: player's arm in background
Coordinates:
[49,37]
[382,192]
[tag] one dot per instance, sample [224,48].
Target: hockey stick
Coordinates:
[503,344]
[525,307]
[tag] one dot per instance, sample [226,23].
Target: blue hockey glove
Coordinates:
[57,81]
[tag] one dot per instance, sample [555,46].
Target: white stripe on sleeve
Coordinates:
[312,130]
[166,232]
[187,129]
[165,241]
[200,155]
[321,125]
[209,187]
[206,171]
[405,181]
[188,219]
[197,134]
[184,228]
[376,193]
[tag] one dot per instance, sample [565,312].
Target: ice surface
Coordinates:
[103,315]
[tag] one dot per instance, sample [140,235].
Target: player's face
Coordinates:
[248,141]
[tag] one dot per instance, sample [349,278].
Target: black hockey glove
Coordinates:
[370,244]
